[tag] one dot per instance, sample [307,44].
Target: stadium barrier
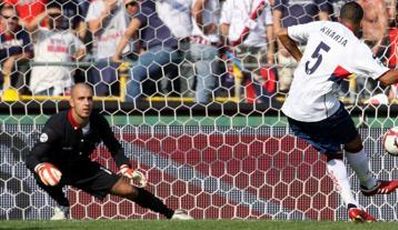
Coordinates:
[10,94]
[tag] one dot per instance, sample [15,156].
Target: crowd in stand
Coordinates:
[184,48]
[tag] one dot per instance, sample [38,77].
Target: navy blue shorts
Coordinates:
[327,135]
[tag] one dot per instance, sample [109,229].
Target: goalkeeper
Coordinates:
[62,157]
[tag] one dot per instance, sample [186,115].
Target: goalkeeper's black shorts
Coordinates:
[90,177]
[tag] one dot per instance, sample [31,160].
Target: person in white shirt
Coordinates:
[248,26]
[107,20]
[204,47]
[176,15]
[313,110]
[53,44]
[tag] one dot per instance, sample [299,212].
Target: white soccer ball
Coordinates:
[391,141]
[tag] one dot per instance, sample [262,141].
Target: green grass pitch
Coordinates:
[195,224]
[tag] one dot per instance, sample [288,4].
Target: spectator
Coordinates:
[288,13]
[375,22]
[204,47]
[53,44]
[15,47]
[374,33]
[27,10]
[75,11]
[248,26]
[390,57]
[176,15]
[75,15]
[161,50]
[335,8]
[391,7]
[107,21]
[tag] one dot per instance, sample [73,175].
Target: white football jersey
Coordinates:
[106,40]
[53,46]
[236,13]
[210,14]
[332,54]
[176,14]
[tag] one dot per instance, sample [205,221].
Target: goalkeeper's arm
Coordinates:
[36,160]
[113,145]
[118,155]
[42,148]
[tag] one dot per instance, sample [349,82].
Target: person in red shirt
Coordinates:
[27,10]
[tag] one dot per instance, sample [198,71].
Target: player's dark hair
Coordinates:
[352,12]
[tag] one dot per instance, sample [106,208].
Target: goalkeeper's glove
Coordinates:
[134,175]
[48,173]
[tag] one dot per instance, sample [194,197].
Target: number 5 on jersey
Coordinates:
[318,56]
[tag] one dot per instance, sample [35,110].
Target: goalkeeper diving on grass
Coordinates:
[61,157]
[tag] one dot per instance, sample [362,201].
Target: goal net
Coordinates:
[231,158]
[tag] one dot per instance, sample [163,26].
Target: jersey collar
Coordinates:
[72,120]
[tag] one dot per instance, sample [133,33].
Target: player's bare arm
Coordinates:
[34,24]
[224,30]
[289,44]
[197,13]
[276,18]
[132,29]
[389,78]
[79,54]
[95,26]
[271,43]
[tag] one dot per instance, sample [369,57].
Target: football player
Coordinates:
[315,114]
[62,157]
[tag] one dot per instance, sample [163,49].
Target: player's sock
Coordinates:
[359,162]
[147,200]
[338,173]
[62,202]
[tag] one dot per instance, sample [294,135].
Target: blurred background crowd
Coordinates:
[203,50]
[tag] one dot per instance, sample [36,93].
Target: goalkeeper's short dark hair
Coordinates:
[352,12]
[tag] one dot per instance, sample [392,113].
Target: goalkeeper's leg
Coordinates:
[142,197]
[56,193]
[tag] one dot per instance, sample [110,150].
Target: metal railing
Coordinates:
[11,94]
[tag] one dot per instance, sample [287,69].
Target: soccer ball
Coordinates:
[391,141]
